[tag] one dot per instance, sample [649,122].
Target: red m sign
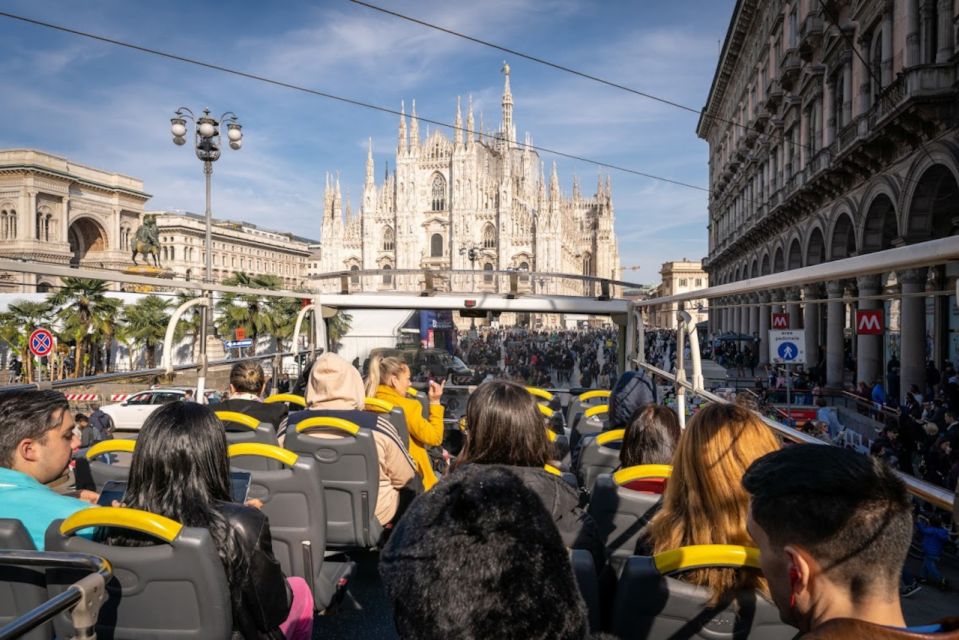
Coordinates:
[869,322]
[780,321]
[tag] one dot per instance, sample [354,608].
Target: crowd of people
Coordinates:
[490,527]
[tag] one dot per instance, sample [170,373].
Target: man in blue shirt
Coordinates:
[36,440]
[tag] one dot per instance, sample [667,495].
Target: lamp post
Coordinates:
[207,143]
[472,253]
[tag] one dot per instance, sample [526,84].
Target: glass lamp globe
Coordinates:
[206,129]
[235,133]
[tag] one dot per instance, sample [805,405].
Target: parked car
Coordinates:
[130,414]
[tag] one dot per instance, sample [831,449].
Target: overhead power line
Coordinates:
[330,96]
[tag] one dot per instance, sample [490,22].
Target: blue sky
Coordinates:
[110,107]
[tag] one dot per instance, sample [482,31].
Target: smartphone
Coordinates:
[112,490]
[240,485]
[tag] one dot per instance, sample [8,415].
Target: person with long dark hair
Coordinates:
[180,470]
[650,437]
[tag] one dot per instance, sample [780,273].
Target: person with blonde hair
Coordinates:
[389,380]
[705,502]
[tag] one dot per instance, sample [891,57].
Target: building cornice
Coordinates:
[739,24]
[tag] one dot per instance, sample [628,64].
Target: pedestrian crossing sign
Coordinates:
[787,347]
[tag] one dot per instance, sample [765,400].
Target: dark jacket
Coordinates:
[273,413]
[842,628]
[577,528]
[266,596]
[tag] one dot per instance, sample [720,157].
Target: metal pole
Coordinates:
[205,312]
[789,396]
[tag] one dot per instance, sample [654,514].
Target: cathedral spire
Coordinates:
[369,164]
[575,188]
[458,134]
[414,128]
[507,124]
[470,125]
[402,135]
[554,184]
[542,183]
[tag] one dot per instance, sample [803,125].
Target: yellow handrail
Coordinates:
[595,393]
[552,470]
[550,435]
[327,422]
[598,409]
[706,555]
[292,398]
[412,392]
[111,446]
[376,404]
[546,411]
[610,436]
[238,418]
[144,521]
[542,393]
[641,472]
[262,450]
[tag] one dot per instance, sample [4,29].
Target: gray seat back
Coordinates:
[599,454]
[620,516]
[656,607]
[293,500]
[174,590]
[103,472]
[398,419]
[21,588]
[241,428]
[349,469]
[584,571]
[577,405]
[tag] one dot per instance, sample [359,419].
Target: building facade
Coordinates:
[832,131]
[678,277]
[56,211]
[480,191]
[237,247]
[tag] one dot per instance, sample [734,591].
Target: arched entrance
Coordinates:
[881,227]
[934,206]
[85,235]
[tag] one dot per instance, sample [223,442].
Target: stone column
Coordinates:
[811,323]
[835,322]
[912,33]
[886,58]
[792,308]
[869,347]
[763,344]
[753,309]
[804,135]
[846,89]
[945,36]
[912,328]
[865,78]
[828,117]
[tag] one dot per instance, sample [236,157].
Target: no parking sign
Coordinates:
[41,342]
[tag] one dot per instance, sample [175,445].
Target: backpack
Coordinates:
[633,391]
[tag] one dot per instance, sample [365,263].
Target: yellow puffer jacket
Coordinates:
[423,433]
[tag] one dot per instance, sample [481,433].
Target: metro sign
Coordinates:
[869,322]
[780,321]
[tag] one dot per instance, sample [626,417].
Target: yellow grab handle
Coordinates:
[292,398]
[412,392]
[111,446]
[706,555]
[542,393]
[595,393]
[553,470]
[610,436]
[238,418]
[546,411]
[550,435]
[376,404]
[598,409]
[262,450]
[327,422]
[144,521]
[642,471]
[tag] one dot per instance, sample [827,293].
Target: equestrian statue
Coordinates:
[146,242]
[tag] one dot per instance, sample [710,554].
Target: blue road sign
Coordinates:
[239,344]
[788,351]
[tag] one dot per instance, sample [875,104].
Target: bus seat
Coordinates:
[651,605]
[177,590]
[395,415]
[21,588]
[289,398]
[584,571]
[293,500]
[594,420]
[598,454]
[103,472]
[241,428]
[620,512]
[349,468]
[579,404]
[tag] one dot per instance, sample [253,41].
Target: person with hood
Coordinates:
[505,427]
[335,389]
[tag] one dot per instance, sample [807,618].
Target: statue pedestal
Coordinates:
[146,271]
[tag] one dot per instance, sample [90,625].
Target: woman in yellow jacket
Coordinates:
[389,380]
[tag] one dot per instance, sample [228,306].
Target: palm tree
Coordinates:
[337,327]
[88,317]
[258,315]
[16,325]
[146,322]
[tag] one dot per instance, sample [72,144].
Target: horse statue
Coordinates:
[146,242]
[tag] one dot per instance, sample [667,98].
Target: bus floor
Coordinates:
[364,613]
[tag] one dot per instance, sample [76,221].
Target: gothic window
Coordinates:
[354,274]
[436,246]
[524,266]
[489,236]
[387,277]
[488,272]
[439,193]
[389,239]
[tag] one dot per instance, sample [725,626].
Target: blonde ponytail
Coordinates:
[382,369]
[373,376]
